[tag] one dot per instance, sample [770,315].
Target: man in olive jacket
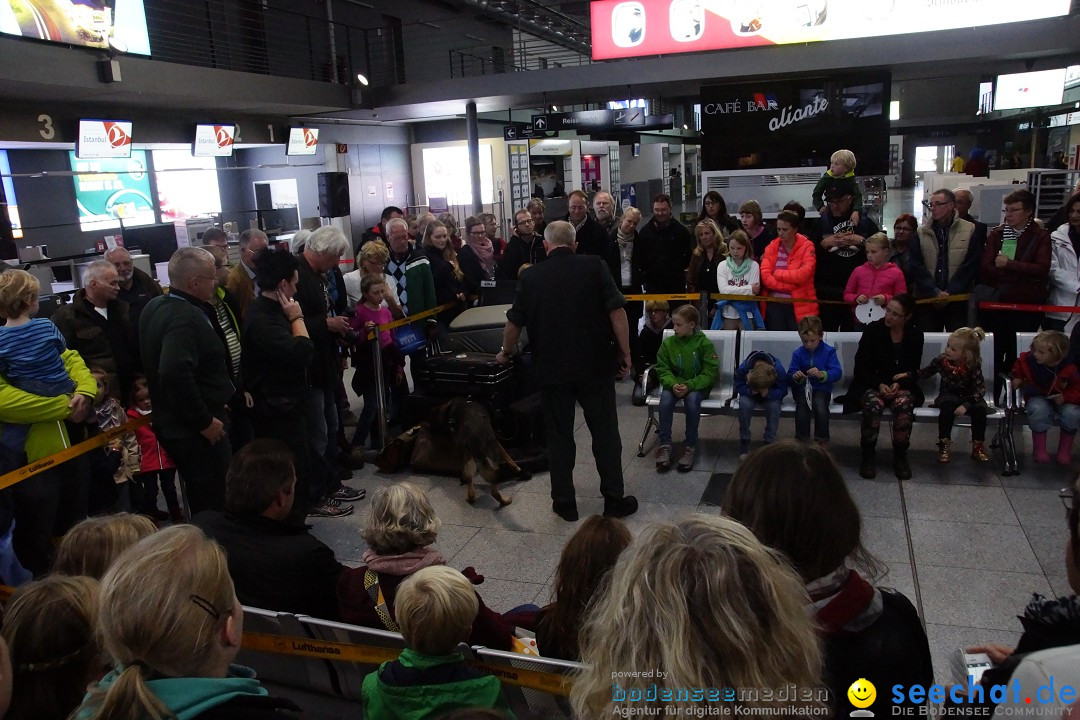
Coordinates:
[188,372]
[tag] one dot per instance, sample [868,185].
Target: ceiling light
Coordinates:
[361,79]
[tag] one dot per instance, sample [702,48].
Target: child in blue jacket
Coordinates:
[760,382]
[813,370]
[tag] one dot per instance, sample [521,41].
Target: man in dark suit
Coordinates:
[570,301]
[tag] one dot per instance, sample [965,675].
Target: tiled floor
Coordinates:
[966,545]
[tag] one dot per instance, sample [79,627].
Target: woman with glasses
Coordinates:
[477,256]
[714,208]
[888,347]
[174,634]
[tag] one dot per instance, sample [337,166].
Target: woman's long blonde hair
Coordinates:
[163,604]
[704,601]
[448,252]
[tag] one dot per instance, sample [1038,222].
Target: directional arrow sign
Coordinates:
[510,132]
[539,122]
[631,117]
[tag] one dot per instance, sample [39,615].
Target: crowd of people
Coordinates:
[775,591]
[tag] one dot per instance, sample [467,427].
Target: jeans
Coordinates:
[746,412]
[597,400]
[1041,413]
[819,411]
[365,423]
[668,401]
[319,437]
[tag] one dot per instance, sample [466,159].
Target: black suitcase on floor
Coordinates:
[467,374]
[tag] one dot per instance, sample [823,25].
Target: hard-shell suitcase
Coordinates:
[467,374]
[479,329]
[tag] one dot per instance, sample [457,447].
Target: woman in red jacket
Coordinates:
[787,270]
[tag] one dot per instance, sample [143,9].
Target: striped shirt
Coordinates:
[31,352]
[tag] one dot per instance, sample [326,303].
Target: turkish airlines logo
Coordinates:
[311,137]
[117,136]
[223,135]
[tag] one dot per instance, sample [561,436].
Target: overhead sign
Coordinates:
[302,141]
[637,28]
[103,139]
[213,140]
[602,120]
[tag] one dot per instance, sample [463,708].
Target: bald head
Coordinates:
[191,270]
[964,200]
[560,233]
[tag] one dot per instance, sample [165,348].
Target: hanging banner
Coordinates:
[638,28]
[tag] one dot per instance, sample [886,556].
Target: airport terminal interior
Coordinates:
[146,126]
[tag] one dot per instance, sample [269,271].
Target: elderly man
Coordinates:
[944,260]
[321,253]
[187,367]
[964,201]
[840,250]
[604,207]
[98,326]
[592,238]
[570,301]
[525,248]
[241,280]
[666,246]
[1016,266]
[274,563]
[136,287]
[410,270]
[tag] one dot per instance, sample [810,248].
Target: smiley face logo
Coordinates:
[862,693]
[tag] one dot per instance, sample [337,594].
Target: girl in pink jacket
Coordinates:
[876,280]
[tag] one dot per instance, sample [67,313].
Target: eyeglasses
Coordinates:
[941,203]
[1068,497]
[477,233]
[525,222]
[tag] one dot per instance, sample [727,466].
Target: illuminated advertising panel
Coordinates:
[302,141]
[93,23]
[103,139]
[213,140]
[637,28]
[111,190]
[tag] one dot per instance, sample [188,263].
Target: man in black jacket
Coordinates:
[187,368]
[570,304]
[592,238]
[274,564]
[841,249]
[525,247]
[666,246]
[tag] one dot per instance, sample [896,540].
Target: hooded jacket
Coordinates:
[45,415]
[691,360]
[1064,276]
[887,280]
[779,388]
[1043,380]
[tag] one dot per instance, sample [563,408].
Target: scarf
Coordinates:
[626,245]
[485,253]
[843,601]
[404,564]
[737,271]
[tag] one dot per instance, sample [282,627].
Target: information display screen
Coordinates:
[93,23]
[111,190]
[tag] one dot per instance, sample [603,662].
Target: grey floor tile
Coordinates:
[671,488]
[946,639]
[967,597]
[1037,507]
[972,545]
[503,595]
[959,503]
[451,507]
[531,512]
[1049,547]
[517,556]
[452,538]
[546,594]
[1060,585]
[885,539]
[879,497]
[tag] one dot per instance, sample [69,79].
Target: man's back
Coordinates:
[565,303]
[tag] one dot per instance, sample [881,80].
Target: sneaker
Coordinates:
[348,494]
[627,505]
[744,449]
[686,462]
[329,508]
[663,458]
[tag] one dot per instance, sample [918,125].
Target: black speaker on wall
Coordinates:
[333,194]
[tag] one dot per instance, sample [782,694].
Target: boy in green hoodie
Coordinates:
[435,608]
[687,367]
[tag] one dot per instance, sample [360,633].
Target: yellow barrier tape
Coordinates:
[5,593]
[43,464]
[410,319]
[344,652]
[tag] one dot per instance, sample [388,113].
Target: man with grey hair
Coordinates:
[187,369]
[98,326]
[241,281]
[326,327]
[964,200]
[570,304]
[604,207]
[136,287]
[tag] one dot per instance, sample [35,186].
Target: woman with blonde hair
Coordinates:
[372,260]
[171,622]
[445,269]
[399,530]
[91,546]
[710,250]
[703,600]
[51,627]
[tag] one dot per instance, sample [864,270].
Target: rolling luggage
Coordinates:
[479,330]
[467,374]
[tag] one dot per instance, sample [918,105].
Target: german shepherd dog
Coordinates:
[469,426]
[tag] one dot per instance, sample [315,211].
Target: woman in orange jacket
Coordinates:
[787,270]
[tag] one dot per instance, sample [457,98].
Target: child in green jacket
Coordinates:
[435,608]
[687,367]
